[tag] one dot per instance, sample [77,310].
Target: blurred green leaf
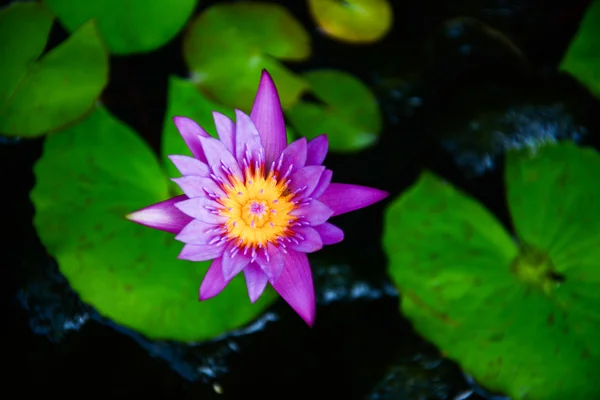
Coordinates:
[349,115]
[228,45]
[38,97]
[582,59]
[24,30]
[128,26]
[496,307]
[353,21]
[89,177]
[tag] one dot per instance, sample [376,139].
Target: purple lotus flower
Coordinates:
[252,203]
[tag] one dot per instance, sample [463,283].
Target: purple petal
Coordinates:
[214,281]
[343,198]
[309,242]
[190,165]
[330,234]
[198,186]
[268,118]
[247,138]
[316,212]
[272,266]
[163,216]
[295,285]
[198,232]
[200,252]
[203,209]
[307,177]
[233,262]
[317,150]
[256,281]
[219,157]
[225,129]
[294,155]
[190,131]
[324,181]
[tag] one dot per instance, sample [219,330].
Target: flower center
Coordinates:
[258,209]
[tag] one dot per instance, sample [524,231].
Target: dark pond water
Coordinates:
[444,86]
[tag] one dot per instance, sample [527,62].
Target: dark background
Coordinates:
[432,78]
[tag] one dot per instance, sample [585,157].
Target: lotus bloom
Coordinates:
[252,203]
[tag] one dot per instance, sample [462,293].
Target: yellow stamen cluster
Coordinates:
[258,209]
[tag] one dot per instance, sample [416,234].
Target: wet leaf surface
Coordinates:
[127,26]
[59,87]
[582,59]
[258,35]
[348,112]
[529,305]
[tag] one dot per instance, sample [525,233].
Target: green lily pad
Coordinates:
[228,45]
[522,318]
[89,177]
[38,96]
[24,30]
[349,114]
[582,59]
[353,21]
[128,26]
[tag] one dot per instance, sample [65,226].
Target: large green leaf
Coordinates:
[40,96]
[353,21]
[228,45]
[521,318]
[128,26]
[89,177]
[349,113]
[582,59]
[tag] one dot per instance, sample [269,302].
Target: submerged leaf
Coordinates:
[228,45]
[89,177]
[128,26]
[582,59]
[349,113]
[354,21]
[38,97]
[531,307]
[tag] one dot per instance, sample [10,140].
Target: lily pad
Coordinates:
[353,21]
[41,95]
[349,113]
[521,317]
[128,26]
[228,45]
[582,59]
[89,177]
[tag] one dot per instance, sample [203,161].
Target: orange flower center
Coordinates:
[258,209]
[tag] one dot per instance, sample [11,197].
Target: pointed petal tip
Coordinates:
[295,286]
[267,116]
[343,198]
[162,216]
[264,74]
